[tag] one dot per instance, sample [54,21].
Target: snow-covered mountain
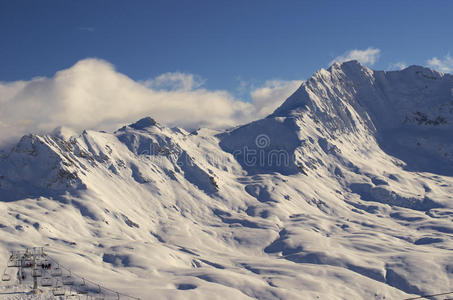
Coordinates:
[344,192]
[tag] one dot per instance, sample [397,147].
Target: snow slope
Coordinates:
[344,192]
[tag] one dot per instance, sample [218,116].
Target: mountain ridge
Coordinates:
[307,202]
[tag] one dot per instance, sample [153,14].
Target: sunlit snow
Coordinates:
[344,192]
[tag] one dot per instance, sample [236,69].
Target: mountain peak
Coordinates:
[63,132]
[352,69]
[348,66]
[391,95]
[353,62]
[143,123]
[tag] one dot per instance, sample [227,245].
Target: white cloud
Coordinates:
[268,97]
[368,56]
[398,66]
[93,95]
[444,65]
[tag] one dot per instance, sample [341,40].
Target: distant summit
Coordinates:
[143,123]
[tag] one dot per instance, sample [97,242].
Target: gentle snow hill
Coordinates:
[344,192]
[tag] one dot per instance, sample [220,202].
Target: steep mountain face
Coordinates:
[409,112]
[344,192]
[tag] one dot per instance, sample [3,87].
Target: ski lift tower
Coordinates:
[28,259]
[38,256]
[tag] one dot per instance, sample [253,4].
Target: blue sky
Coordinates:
[224,42]
[100,64]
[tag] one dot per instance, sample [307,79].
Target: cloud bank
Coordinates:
[444,65]
[264,98]
[93,95]
[368,56]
